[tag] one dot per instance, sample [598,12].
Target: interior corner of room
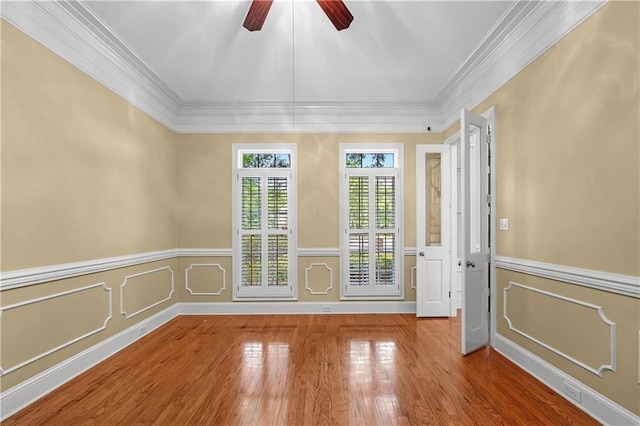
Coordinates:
[281,170]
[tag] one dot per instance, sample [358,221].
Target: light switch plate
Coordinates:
[504,224]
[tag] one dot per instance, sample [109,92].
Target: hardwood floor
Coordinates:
[303,370]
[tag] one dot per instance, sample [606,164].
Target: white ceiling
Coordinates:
[394,51]
[402,66]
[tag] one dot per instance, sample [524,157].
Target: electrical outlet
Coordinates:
[142,330]
[574,393]
[326,308]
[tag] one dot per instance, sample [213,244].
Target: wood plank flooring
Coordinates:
[303,370]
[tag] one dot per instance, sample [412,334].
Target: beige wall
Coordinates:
[204,206]
[85,175]
[568,171]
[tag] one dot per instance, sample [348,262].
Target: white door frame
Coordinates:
[456,270]
[433,282]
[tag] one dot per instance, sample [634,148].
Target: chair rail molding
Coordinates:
[25,277]
[605,281]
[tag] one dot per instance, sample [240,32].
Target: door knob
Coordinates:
[471,264]
[421,253]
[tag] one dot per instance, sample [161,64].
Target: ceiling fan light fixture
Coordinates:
[257,14]
[337,12]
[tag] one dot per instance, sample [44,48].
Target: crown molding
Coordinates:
[526,31]
[307,117]
[74,32]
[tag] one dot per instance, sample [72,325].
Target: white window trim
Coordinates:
[398,150]
[237,169]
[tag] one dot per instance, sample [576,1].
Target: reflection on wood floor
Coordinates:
[303,370]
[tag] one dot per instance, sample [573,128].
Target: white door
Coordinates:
[475,220]
[433,228]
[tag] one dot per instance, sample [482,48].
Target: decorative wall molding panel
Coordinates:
[605,281]
[595,404]
[330,280]
[34,388]
[222,286]
[75,33]
[6,370]
[127,315]
[610,343]
[25,277]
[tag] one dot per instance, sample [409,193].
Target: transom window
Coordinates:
[371,238]
[264,246]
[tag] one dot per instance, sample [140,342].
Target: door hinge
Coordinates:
[488,258]
[489,199]
[449,295]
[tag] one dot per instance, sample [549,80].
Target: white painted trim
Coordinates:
[4,371]
[612,325]
[18,397]
[193,293]
[128,277]
[25,277]
[593,403]
[264,291]
[371,291]
[204,252]
[317,117]
[73,32]
[288,308]
[319,252]
[605,281]
[306,278]
[526,31]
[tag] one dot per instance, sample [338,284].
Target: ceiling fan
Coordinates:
[335,10]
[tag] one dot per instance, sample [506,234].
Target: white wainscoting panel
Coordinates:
[595,404]
[205,265]
[103,326]
[605,281]
[18,397]
[139,311]
[330,280]
[598,370]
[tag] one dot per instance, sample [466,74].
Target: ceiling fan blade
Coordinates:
[257,14]
[337,12]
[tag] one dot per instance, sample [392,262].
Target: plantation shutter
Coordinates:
[372,231]
[264,233]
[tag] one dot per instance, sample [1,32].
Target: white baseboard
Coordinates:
[275,308]
[27,392]
[593,403]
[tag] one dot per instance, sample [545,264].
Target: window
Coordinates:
[371,214]
[264,218]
